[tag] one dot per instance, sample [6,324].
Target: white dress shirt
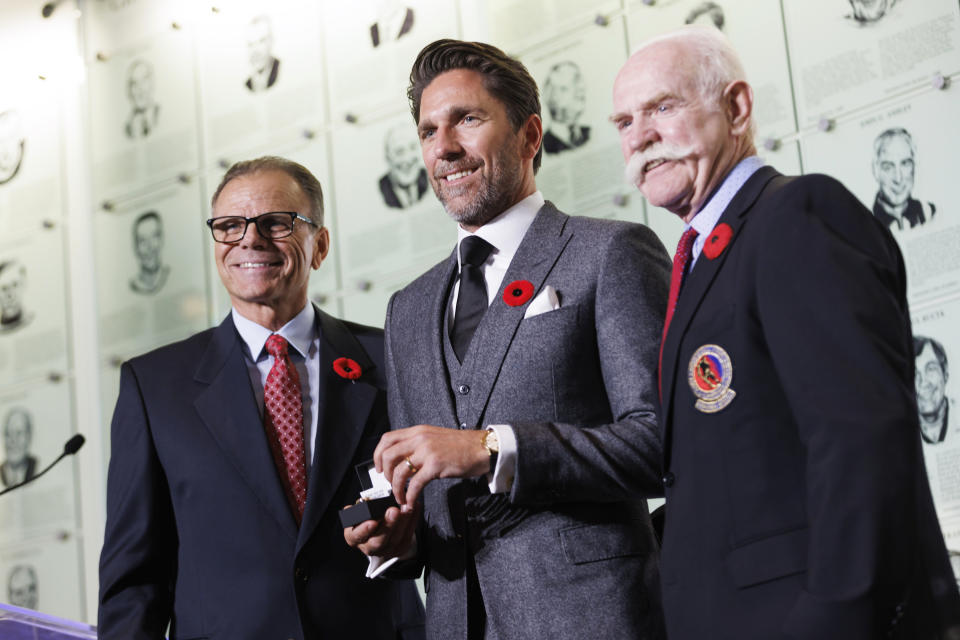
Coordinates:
[504,233]
[304,340]
[707,218]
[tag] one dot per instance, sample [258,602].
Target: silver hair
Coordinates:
[715,59]
[884,139]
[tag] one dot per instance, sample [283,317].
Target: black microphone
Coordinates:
[69,448]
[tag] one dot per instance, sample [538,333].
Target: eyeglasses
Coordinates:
[272,225]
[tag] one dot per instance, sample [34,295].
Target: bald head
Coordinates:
[683,109]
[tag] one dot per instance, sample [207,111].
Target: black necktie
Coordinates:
[472,298]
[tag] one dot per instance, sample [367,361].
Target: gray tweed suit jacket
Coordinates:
[570,552]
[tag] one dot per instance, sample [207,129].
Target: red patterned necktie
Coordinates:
[283,421]
[680,260]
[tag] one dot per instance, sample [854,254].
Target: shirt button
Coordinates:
[300,574]
[463,389]
[669,479]
[463,425]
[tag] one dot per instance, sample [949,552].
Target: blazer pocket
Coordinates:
[563,314]
[769,558]
[596,542]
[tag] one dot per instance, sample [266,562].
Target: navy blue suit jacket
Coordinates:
[800,509]
[199,532]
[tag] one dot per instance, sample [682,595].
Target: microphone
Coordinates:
[69,448]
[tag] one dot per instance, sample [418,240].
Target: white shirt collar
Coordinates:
[506,231]
[299,332]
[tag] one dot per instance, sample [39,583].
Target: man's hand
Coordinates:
[387,538]
[423,453]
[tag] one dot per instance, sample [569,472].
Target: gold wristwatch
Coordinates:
[491,443]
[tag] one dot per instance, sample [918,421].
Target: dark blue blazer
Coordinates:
[801,509]
[199,532]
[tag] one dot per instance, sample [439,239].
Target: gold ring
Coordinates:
[410,466]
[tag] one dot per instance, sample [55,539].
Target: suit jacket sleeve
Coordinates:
[138,560]
[412,567]
[619,460]
[831,304]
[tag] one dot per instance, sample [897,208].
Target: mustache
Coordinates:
[635,171]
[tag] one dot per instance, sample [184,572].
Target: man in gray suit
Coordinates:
[535,346]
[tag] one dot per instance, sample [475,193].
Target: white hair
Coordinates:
[714,61]
[713,57]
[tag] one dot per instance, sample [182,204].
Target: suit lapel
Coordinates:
[228,409]
[698,283]
[535,257]
[344,408]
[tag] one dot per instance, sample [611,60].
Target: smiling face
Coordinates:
[930,381]
[894,170]
[477,163]
[267,279]
[679,145]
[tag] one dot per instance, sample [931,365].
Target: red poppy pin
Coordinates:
[518,292]
[718,240]
[347,368]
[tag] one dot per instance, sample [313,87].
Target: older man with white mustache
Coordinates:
[797,502]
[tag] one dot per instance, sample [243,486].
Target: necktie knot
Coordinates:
[686,243]
[474,251]
[276,346]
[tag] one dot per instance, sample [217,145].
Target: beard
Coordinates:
[495,194]
[635,171]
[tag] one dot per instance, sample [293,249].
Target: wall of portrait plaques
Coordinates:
[156,98]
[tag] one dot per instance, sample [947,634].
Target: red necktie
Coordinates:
[283,421]
[680,260]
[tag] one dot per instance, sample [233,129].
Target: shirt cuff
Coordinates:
[501,480]
[379,564]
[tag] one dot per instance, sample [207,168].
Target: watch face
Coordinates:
[491,441]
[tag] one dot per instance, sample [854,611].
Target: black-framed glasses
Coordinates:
[272,225]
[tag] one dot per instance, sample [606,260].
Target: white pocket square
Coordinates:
[546,300]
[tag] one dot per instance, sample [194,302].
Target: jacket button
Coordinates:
[463,425]
[463,389]
[668,479]
[300,574]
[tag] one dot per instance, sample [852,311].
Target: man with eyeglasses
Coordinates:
[233,450]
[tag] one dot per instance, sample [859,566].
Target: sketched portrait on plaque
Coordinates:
[264,65]
[23,587]
[405,182]
[565,97]
[895,169]
[393,21]
[13,282]
[707,13]
[18,465]
[151,275]
[12,143]
[933,404]
[867,12]
[144,110]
